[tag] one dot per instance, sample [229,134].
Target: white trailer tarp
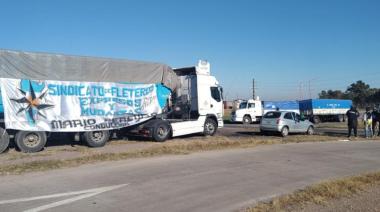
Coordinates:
[69,106]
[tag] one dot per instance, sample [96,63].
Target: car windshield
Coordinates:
[272,115]
[243,105]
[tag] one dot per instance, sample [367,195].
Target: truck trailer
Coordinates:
[93,97]
[316,110]
[322,110]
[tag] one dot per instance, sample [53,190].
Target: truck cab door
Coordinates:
[216,103]
[252,111]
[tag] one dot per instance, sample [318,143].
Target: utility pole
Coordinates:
[253,89]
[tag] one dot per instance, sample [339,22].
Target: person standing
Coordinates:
[375,120]
[352,117]
[367,119]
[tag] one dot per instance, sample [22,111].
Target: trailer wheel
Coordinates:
[210,127]
[316,120]
[161,132]
[4,140]
[28,141]
[340,118]
[96,138]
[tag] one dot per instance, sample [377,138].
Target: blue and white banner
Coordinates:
[68,106]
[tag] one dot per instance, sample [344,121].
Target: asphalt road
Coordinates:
[236,129]
[209,181]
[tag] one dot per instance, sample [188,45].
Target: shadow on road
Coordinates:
[334,133]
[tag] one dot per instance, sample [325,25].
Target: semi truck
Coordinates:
[252,110]
[322,110]
[94,97]
[316,110]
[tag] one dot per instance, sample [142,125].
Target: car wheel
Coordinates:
[28,141]
[247,120]
[285,131]
[310,130]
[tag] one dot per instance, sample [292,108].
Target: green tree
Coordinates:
[359,93]
[332,94]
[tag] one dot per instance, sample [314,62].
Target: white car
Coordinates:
[285,122]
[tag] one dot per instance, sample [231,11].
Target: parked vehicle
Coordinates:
[252,110]
[316,110]
[95,97]
[249,111]
[285,122]
[322,110]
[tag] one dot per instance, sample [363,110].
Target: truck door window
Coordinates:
[251,105]
[215,94]
[243,105]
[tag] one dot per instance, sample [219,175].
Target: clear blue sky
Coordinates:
[283,44]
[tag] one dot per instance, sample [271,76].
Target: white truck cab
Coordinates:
[249,111]
[198,102]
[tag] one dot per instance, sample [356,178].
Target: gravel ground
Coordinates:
[365,201]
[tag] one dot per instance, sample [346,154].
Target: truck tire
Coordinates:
[96,138]
[310,130]
[340,118]
[161,131]
[28,141]
[316,120]
[4,140]
[210,127]
[284,131]
[247,120]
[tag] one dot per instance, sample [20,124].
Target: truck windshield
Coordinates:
[243,105]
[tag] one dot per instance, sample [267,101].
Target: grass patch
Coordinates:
[175,147]
[319,193]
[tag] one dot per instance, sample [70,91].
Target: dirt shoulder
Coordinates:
[353,193]
[367,200]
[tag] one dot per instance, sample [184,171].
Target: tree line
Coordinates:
[361,94]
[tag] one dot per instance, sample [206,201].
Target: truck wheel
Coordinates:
[310,130]
[210,127]
[28,141]
[285,131]
[4,140]
[96,138]
[247,120]
[316,120]
[161,132]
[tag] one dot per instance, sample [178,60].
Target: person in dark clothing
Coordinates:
[352,117]
[376,120]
